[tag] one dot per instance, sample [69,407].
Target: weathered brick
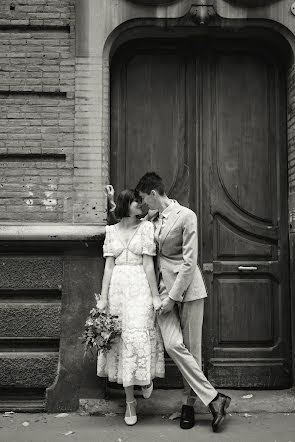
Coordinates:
[35,62]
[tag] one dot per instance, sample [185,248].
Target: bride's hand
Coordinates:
[101,305]
[157,303]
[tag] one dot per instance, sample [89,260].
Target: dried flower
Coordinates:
[101,330]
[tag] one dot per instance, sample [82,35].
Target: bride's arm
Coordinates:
[148,265]
[107,274]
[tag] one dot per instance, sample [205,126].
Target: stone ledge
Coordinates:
[51,232]
[164,402]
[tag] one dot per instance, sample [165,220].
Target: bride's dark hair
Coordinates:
[125,198]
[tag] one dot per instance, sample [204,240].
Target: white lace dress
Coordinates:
[138,357]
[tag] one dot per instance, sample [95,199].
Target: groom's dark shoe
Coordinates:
[187,418]
[218,409]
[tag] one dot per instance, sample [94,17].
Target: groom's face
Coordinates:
[149,199]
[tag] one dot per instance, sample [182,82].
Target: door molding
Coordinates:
[99,38]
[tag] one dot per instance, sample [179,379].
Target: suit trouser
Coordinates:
[175,337]
[191,321]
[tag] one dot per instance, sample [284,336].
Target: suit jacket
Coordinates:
[177,257]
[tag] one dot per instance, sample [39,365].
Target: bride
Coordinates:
[129,290]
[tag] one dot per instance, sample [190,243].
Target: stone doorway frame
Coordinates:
[101,29]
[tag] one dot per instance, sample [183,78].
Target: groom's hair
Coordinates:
[125,198]
[150,181]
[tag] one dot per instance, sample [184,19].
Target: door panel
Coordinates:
[212,124]
[248,334]
[243,144]
[154,115]
[149,119]
[231,241]
[149,128]
[251,303]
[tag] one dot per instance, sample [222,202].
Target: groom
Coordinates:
[182,291]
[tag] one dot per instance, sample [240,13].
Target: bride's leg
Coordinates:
[130,414]
[129,391]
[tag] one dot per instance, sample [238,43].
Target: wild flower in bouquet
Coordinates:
[101,330]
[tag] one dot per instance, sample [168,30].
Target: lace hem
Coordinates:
[136,359]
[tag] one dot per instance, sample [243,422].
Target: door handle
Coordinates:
[247,268]
[208,267]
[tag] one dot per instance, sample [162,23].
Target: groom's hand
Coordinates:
[110,192]
[167,305]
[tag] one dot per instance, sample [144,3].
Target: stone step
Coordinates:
[23,406]
[24,400]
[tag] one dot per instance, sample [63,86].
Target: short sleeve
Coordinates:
[148,239]
[107,245]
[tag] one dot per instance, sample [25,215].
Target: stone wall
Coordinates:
[291,145]
[291,181]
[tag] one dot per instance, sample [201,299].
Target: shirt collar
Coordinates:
[166,212]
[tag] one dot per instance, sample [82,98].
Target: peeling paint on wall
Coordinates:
[50,203]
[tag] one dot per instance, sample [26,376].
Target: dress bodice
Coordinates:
[140,243]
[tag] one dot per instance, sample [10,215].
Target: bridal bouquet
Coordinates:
[101,329]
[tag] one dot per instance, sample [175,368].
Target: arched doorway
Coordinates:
[209,115]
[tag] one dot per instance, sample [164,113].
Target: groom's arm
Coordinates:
[111,218]
[189,256]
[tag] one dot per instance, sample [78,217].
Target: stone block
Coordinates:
[28,370]
[23,272]
[30,319]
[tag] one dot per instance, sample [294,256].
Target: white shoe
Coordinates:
[147,391]
[131,419]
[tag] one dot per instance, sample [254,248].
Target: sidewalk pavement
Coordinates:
[253,416]
[278,427]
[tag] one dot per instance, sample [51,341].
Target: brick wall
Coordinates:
[91,139]
[37,109]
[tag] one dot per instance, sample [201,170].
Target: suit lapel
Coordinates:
[173,216]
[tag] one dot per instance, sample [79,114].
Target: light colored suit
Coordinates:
[179,277]
[177,257]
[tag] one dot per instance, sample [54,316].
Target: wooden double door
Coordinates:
[210,117]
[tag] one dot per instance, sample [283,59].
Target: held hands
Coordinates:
[157,304]
[167,305]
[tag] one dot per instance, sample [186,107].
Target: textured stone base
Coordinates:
[164,402]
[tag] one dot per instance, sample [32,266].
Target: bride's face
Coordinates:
[135,209]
